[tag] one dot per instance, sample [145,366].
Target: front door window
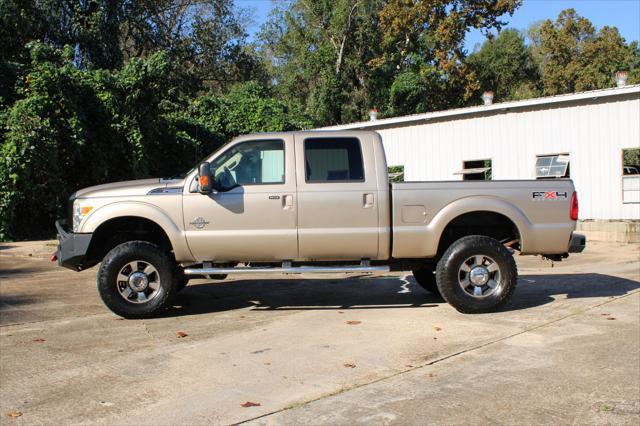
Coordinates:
[249,163]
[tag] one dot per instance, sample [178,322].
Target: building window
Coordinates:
[475,170]
[631,175]
[333,160]
[631,161]
[552,166]
[396,173]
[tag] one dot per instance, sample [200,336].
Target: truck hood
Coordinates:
[129,188]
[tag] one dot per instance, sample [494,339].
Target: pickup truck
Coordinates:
[312,201]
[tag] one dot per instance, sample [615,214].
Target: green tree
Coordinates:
[426,38]
[91,26]
[340,58]
[505,65]
[318,53]
[574,57]
[205,40]
[408,94]
[59,123]
[73,127]
[603,55]
[247,108]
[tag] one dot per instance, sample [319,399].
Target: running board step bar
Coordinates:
[288,269]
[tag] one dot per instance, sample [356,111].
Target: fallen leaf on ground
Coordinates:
[354,322]
[181,334]
[437,328]
[14,413]
[250,404]
[610,318]
[435,338]
[348,365]
[38,340]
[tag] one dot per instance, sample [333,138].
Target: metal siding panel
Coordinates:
[593,134]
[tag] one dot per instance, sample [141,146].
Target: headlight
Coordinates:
[80,210]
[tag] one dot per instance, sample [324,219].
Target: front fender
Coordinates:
[143,210]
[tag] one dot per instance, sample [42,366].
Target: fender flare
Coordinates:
[483,203]
[142,210]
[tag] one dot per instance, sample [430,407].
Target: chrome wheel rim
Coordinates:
[479,276]
[138,282]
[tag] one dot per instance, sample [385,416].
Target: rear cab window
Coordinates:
[330,160]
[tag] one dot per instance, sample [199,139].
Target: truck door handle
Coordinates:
[287,202]
[367,200]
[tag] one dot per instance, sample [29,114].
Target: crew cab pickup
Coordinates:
[313,201]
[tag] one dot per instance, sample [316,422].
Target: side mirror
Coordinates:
[204,178]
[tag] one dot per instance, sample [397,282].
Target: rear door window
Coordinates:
[333,160]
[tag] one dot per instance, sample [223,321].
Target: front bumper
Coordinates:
[72,247]
[578,243]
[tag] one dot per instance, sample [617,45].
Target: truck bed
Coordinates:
[539,209]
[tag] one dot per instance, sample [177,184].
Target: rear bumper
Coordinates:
[578,243]
[72,247]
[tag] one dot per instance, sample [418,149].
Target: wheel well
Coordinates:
[490,224]
[122,229]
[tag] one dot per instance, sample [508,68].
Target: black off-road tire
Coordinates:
[128,252]
[427,279]
[448,274]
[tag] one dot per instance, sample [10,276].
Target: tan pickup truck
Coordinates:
[312,202]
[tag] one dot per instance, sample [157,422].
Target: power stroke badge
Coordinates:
[199,223]
[548,195]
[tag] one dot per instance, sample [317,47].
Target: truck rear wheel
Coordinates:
[426,278]
[137,279]
[476,274]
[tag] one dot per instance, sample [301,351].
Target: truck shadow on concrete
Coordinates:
[377,293]
[536,290]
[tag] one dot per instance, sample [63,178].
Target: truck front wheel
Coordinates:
[137,279]
[476,274]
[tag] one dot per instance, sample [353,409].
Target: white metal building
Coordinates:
[585,133]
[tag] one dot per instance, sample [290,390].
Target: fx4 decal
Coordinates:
[548,195]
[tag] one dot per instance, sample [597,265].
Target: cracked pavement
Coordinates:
[565,350]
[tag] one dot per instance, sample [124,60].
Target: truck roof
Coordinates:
[303,133]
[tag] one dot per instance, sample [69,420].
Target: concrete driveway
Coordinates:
[318,350]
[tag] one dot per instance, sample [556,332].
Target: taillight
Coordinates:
[574,206]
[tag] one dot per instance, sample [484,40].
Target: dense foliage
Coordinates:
[93,91]
[71,128]
[505,65]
